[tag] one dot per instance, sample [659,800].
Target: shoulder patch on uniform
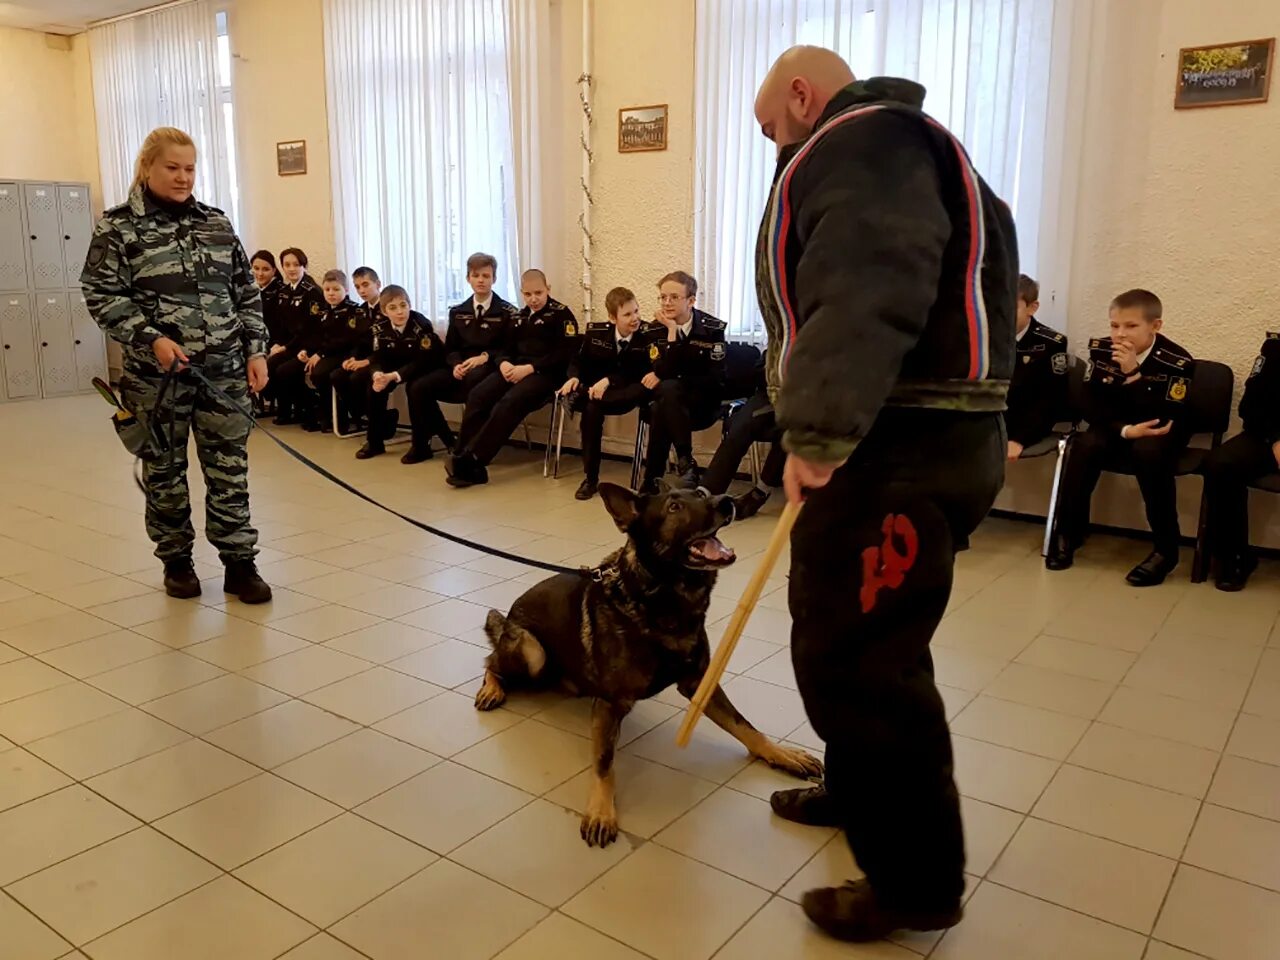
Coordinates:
[718,350]
[570,328]
[1258,364]
[1177,389]
[1058,363]
[315,308]
[352,323]
[98,248]
[426,343]
[654,351]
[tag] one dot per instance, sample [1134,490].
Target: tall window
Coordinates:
[984,63]
[226,115]
[161,69]
[420,140]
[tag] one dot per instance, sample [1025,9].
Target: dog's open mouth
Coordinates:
[710,552]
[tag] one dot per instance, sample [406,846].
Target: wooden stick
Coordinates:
[747,603]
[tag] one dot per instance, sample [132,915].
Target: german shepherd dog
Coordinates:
[627,630]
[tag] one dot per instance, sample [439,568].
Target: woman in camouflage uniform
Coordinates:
[166,276]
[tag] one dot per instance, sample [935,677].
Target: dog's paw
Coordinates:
[599,830]
[797,762]
[491,695]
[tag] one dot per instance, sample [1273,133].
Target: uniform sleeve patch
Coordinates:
[1257,366]
[1177,389]
[654,351]
[717,350]
[97,252]
[1058,362]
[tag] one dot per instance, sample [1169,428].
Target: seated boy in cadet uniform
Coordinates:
[1038,391]
[687,377]
[342,330]
[477,327]
[1240,461]
[404,349]
[348,382]
[1138,380]
[607,377]
[531,363]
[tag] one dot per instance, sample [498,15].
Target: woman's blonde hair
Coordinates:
[156,141]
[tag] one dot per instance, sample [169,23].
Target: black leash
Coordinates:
[332,478]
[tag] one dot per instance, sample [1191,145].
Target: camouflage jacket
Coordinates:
[150,273]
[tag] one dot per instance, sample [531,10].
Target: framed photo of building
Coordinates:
[1224,73]
[291,158]
[641,129]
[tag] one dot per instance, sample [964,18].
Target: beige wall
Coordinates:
[48,110]
[278,59]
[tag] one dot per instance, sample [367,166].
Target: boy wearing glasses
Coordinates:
[687,377]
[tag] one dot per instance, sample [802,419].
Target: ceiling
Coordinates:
[64,16]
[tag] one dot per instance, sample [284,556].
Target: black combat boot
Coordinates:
[243,580]
[587,489]
[853,912]
[180,579]
[749,504]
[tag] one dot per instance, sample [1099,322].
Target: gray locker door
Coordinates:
[77,227]
[90,346]
[44,234]
[13,244]
[19,354]
[57,355]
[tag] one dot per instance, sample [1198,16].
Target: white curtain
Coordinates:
[159,69]
[984,63]
[420,139]
[530,83]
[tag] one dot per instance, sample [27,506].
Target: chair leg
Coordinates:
[564,415]
[637,456]
[333,411]
[1200,560]
[755,464]
[551,429]
[1052,517]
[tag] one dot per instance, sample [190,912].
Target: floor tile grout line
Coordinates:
[4,893]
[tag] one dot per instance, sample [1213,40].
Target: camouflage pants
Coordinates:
[221,435]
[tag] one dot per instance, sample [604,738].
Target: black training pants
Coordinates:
[1228,471]
[322,378]
[753,422]
[352,387]
[1151,459]
[616,401]
[495,408]
[679,408]
[872,557]
[428,392]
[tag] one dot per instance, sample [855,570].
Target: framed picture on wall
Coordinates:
[291,158]
[641,129]
[1224,74]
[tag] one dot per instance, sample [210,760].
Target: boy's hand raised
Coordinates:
[1125,356]
[1149,428]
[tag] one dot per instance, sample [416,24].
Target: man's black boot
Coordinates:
[243,580]
[1152,571]
[1061,554]
[180,579]
[586,489]
[853,912]
[812,806]
[749,504]
[1233,572]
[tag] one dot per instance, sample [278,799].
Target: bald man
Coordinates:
[887,275]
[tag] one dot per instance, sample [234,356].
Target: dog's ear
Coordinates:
[622,504]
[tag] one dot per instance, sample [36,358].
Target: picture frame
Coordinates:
[1224,74]
[642,129]
[291,158]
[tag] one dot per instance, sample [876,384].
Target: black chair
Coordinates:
[1208,414]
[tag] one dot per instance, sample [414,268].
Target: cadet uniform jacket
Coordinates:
[408,352]
[601,357]
[1260,405]
[342,330]
[175,271]
[1038,392]
[1158,393]
[272,312]
[300,308]
[546,339]
[886,271]
[698,357]
[469,336]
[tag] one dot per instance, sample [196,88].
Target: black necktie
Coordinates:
[622,345]
[479,312]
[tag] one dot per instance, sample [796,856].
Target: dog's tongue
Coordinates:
[710,548]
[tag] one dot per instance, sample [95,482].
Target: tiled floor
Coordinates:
[309,779]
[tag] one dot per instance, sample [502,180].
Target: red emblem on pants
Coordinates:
[883,566]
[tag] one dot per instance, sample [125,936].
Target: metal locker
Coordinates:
[57,355]
[89,346]
[44,233]
[13,244]
[77,227]
[18,356]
